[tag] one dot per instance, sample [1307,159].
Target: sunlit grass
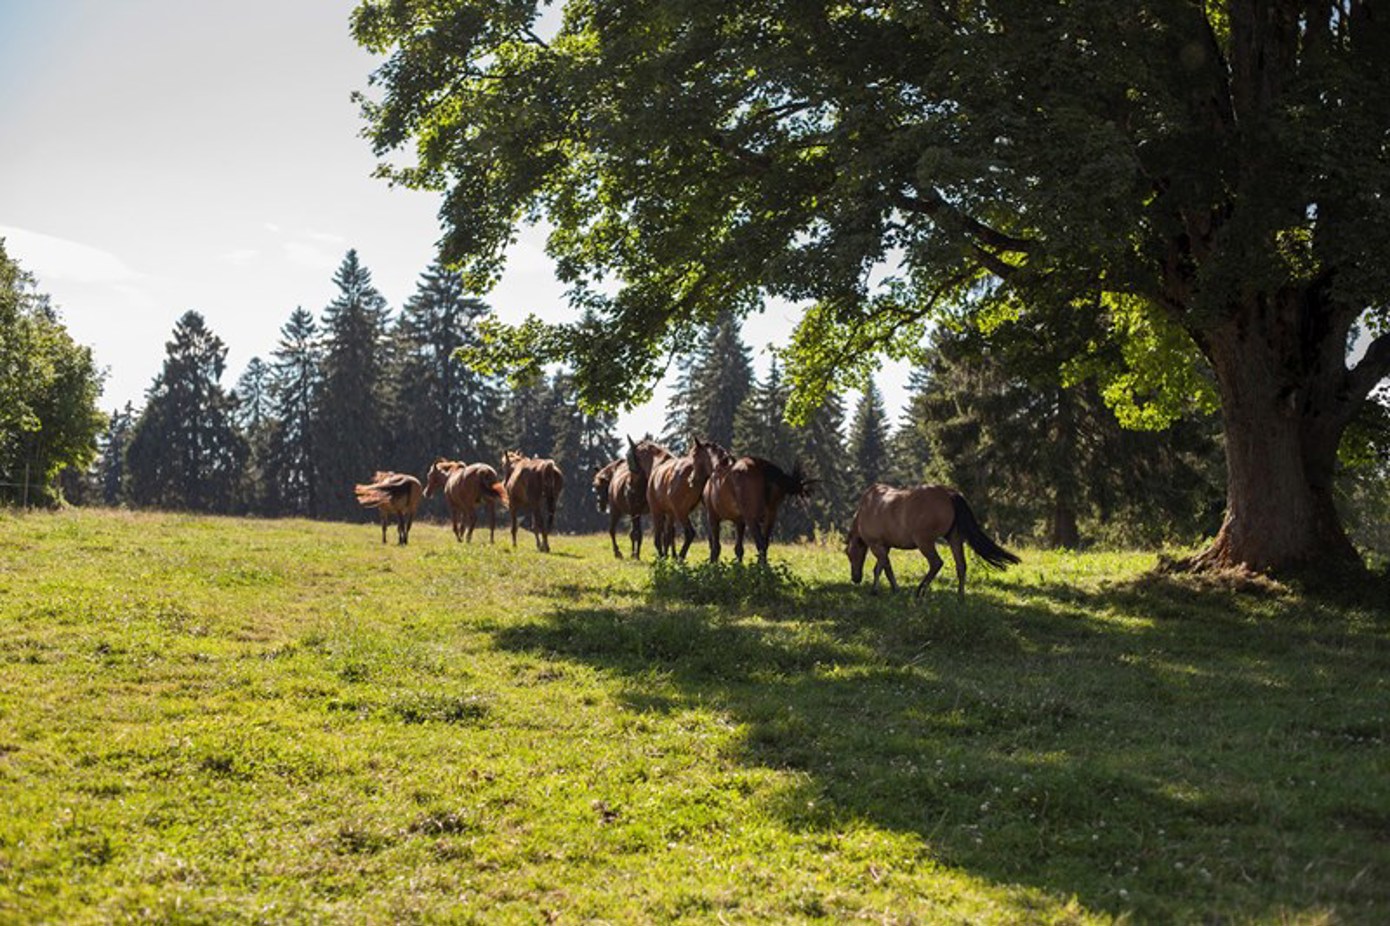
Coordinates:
[217,720]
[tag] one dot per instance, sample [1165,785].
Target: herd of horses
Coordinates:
[652,481]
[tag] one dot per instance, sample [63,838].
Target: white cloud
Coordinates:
[309,255]
[57,259]
[239,257]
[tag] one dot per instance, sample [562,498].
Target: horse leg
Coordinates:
[472,521]
[613,532]
[689,536]
[958,554]
[739,528]
[759,539]
[883,566]
[712,525]
[512,512]
[635,535]
[928,549]
[385,520]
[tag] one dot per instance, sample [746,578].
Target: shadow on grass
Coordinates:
[1157,750]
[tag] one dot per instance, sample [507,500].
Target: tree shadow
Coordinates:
[1150,749]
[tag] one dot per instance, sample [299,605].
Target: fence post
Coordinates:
[25,491]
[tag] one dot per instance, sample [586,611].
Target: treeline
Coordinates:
[358,388]
[351,391]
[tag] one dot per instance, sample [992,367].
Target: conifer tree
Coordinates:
[185,452]
[583,443]
[442,408]
[351,411]
[712,385]
[290,468]
[821,453]
[253,419]
[760,426]
[868,440]
[528,418]
[111,466]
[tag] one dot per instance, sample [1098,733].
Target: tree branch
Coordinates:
[933,204]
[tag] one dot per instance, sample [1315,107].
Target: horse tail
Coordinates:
[969,528]
[795,484]
[371,496]
[499,491]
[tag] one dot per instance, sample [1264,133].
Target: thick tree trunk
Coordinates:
[1282,434]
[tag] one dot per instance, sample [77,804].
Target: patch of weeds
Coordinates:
[430,707]
[725,582]
[441,823]
[354,838]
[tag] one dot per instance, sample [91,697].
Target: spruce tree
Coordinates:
[111,466]
[528,418]
[254,419]
[583,444]
[821,453]
[185,452]
[290,468]
[442,408]
[760,427]
[711,386]
[351,414]
[868,440]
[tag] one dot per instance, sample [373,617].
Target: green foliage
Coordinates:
[240,720]
[48,393]
[185,451]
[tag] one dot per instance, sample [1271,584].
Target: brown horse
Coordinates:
[533,485]
[392,494]
[749,491]
[674,490]
[913,519]
[465,486]
[620,493]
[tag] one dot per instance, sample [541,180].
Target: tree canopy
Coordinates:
[1207,178]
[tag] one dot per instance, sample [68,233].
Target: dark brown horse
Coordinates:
[749,491]
[674,489]
[620,493]
[464,486]
[534,486]
[391,494]
[913,519]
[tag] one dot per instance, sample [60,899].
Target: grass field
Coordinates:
[229,721]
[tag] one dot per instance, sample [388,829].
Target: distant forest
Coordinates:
[359,388]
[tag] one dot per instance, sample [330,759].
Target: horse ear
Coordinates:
[630,443]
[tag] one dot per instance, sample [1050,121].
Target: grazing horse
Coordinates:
[913,519]
[464,487]
[621,493]
[533,485]
[392,494]
[749,491]
[674,489]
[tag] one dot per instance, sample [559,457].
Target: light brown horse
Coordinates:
[674,490]
[913,519]
[533,485]
[620,493]
[465,486]
[390,494]
[749,491]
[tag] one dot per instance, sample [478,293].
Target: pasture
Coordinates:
[208,720]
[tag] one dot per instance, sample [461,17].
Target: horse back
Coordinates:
[904,518]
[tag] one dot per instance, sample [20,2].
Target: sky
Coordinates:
[166,155]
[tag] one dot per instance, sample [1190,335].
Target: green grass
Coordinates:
[222,721]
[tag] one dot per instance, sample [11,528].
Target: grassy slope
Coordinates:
[211,720]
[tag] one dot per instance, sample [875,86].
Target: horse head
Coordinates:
[707,457]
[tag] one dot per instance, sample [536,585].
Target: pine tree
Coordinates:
[821,453]
[868,440]
[528,418]
[909,449]
[760,428]
[111,467]
[253,419]
[185,452]
[351,411]
[711,387]
[290,467]
[583,444]
[442,408]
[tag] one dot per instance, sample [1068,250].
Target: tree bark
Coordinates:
[1282,428]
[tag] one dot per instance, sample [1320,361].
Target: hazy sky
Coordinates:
[167,155]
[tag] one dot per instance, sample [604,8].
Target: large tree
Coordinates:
[291,470]
[1208,177]
[350,414]
[48,392]
[185,451]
